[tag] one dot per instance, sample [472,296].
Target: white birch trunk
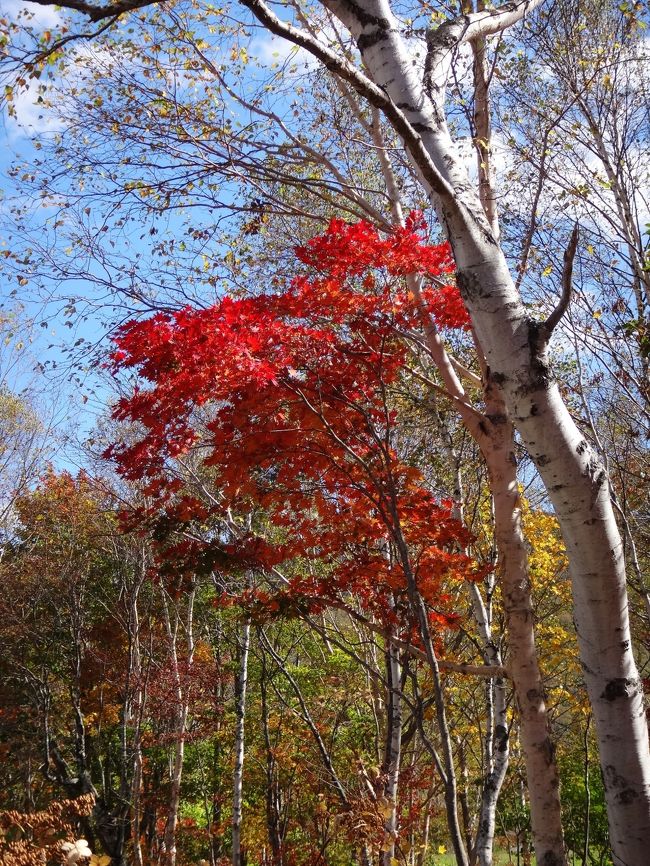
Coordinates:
[538,750]
[515,349]
[181,694]
[238,774]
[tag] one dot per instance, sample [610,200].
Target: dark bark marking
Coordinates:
[421,127]
[581,447]
[501,736]
[548,750]
[548,858]
[627,796]
[541,376]
[497,418]
[364,17]
[543,460]
[620,687]
[534,409]
[367,40]
[470,285]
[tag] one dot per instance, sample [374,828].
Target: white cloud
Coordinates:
[273,51]
[31,116]
[40,17]
[47,116]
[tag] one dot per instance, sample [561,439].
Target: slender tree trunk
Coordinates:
[447,769]
[238,775]
[496,741]
[216,837]
[497,752]
[273,820]
[587,805]
[181,695]
[135,688]
[539,752]
[393,748]
[463,797]
[136,824]
[424,845]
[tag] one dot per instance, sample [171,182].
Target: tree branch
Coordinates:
[487,22]
[553,320]
[97,13]
[487,671]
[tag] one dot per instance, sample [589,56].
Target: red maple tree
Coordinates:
[286,403]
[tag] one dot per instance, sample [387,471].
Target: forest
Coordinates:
[324,418]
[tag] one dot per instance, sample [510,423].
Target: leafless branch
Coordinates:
[98,13]
[567,287]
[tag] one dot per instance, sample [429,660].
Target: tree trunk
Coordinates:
[495,437]
[538,750]
[497,749]
[273,791]
[393,748]
[238,775]
[181,694]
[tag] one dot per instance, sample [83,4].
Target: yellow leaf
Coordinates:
[442,849]
[548,270]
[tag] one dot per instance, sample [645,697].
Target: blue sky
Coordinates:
[53,322]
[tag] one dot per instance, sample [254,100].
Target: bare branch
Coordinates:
[98,13]
[567,288]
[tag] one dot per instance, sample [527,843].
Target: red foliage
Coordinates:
[286,398]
